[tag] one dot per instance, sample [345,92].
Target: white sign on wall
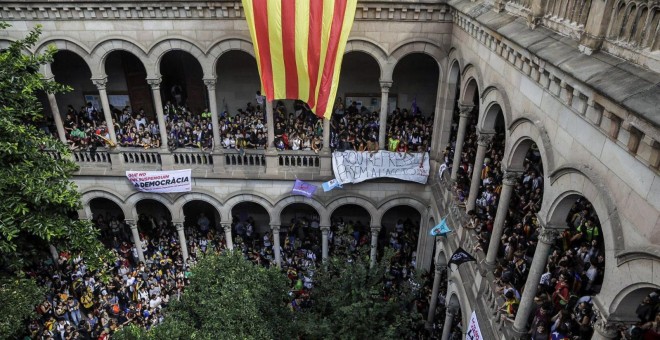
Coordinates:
[473,331]
[161,181]
[359,166]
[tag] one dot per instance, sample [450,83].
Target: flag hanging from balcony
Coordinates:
[303,188]
[299,46]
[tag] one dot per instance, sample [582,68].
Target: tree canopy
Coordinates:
[36,192]
[228,298]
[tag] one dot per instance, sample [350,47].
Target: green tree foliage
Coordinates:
[349,301]
[17,300]
[35,189]
[36,192]
[228,298]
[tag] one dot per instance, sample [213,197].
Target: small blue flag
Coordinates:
[331,184]
[414,106]
[442,229]
[303,188]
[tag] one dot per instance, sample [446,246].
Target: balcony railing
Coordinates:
[92,157]
[247,158]
[305,159]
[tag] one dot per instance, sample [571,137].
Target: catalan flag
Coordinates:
[299,46]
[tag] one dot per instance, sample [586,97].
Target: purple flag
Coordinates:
[414,106]
[303,188]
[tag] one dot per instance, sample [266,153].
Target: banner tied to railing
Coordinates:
[359,166]
[473,332]
[161,181]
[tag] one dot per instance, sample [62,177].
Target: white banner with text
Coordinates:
[473,331]
[161,181]
[359,166]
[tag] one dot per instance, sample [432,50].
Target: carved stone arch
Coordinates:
[133,200]
[66,44]
[182,200]
[371,48]
[567,184]
[625,302]
[5,42]
[457,297]
[396,201]
[246,196]
[357,200]
[522,133]
[174,43]
[227,44]
[109,194]
[455,56]
[101,51]
[494,95]
[293,199]
[416,45]
[471,83]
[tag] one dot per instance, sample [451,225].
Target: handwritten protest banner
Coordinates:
[161,181]
[358,166]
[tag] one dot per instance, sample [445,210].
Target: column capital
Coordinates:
[465,109]
[178,225]
[485,138]
[375,229]
[385,86]
[210,83]
[100,83]
[607,330]
[548,235]
[511,177]
[275,227]
[225,225]
[154,83]
[325,228]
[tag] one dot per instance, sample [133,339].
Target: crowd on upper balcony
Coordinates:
[352,128]
[575,267]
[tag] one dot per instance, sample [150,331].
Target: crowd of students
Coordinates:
[357,129]
[84,304]
[300,129]
[575,268]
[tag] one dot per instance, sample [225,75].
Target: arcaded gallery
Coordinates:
[507,152]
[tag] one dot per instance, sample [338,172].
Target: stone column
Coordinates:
[382,128]
[436,288]
[276,244]
[158,104]
[325,230]
[213,106]
[375,230]
[326,136]
[509,181]
[228,239]
[482,143]
[57,117]
[136,239]
[182,240]
[449,319]
[460,137]
[536,13]
[53,253]
[546,239]
[270,125]
[107,114]
[596,26]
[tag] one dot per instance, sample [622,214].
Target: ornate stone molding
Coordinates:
[485,139]
[511,177]
[154,83]
[466,110]
[210,83]
[385,86]
[226,226]
[100,83]
[548,236]
[608,330]
[222,9]
[275,228]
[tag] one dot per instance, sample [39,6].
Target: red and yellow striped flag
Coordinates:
[299,45]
